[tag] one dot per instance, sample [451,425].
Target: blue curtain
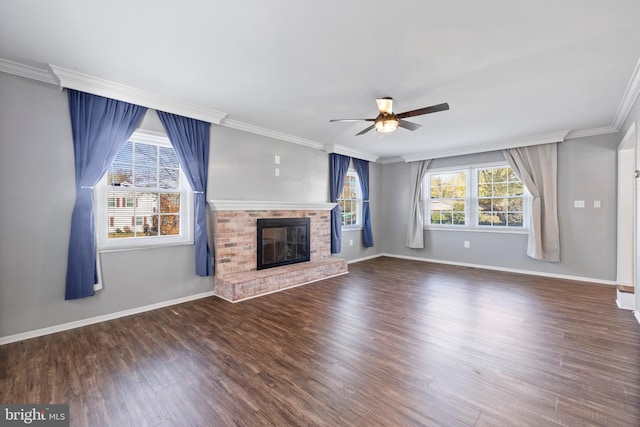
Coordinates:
[338,167]
[190,138]
[100,127]
[362,168]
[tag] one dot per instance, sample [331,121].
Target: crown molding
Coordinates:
[591,132]
[27,71]
[628,99]
[345,151]
[546,138]
[390,160]
[235,124]
[263,205]
[97,86]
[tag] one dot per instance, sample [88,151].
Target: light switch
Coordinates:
[578,203]
[596,204]
[277,160]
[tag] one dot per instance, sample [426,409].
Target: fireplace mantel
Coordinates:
[257,205]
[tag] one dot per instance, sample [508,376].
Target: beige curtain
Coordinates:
[537,167]
[415,226]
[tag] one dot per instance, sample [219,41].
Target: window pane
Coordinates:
[146,154]
[484,176]
[484,219]
[169,225]
[500,175]
[436,192]
[458,218]
[484,205]
[499,190]
[515,220]
[515,205]
[499,205]
[485,190]
[436,217]
[169,178]
[146,177]
[169,202]
[500,219]
[459,192]
[446,218]
[516,188]
[447,191]
[147,203]
[120,174]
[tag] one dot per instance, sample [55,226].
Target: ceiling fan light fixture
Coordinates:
[386,123]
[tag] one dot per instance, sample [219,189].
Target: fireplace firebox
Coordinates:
[282,241]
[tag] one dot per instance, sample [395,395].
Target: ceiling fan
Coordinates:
[388,121]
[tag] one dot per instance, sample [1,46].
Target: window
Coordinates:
[144,196]
[500,198]
[447,201]
[350,201]
[487,197]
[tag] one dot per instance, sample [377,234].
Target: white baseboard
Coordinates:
[351,261]
[625,300]
[509,270]
[90,321]
[637,314]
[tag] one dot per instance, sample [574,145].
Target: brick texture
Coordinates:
[235,251]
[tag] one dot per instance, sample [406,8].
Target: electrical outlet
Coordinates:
[350,242]
[277,171]
[277,160]
[467,244]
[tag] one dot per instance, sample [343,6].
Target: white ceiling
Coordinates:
[508,69]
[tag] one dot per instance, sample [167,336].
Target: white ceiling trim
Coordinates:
[546,138]
[27,71]
[97,86]
[235,124]
[591,132]
[628,99]
[345,151]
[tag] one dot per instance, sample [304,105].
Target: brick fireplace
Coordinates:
[234,225]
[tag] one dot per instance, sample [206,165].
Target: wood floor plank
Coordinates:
[394,342]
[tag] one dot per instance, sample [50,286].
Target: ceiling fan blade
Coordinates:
[365,130]
[385,105]
[409,125]
[426,110]
[351,120]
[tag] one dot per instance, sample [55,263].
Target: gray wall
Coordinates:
[38,191]
[586,171]
[242,167]
[37,188]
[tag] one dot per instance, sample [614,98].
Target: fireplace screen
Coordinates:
[282,241]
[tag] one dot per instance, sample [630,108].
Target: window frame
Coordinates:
[101,202]
[471,201]
[351,172]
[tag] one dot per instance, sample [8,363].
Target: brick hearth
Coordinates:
[235,247]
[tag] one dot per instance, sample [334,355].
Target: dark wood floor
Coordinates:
[392,343]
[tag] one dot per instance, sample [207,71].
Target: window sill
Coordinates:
[351,227]
[478,230]
[143,246]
